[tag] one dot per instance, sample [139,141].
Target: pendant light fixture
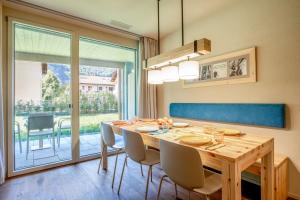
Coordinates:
[170,73]
[155,76]
[188,69]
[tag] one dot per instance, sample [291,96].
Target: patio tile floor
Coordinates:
[89,144]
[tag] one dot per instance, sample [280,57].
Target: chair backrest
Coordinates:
[182,164]
[107,134]
[40,121]
[134,145]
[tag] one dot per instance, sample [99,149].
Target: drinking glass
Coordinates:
[219,136]
[165,127]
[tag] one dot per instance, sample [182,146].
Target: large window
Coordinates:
[45,129]
[108,72]
[41,96]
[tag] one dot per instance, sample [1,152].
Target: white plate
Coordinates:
[147,128]
[180,124]
[195,140]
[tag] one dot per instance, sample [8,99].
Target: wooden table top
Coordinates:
[233,148]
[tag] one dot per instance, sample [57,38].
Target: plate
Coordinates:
[147,128]
[119,122]
[180,124]
[229,132]
[195,140]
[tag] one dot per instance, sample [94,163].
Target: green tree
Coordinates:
[50,86]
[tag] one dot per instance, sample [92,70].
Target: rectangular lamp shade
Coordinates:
[191,50]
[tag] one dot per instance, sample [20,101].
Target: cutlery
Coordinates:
[218,147]
[212,145]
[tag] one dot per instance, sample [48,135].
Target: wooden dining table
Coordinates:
[232,156]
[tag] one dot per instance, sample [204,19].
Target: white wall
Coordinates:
[273,26]
[28,81]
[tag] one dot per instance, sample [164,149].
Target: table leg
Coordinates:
[103,154]
[231,181]
[41,142]
[267,176]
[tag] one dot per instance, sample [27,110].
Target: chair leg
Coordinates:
[58,138]
[122,175]
[189,195]
[20,143]
[100,161]
[148,178]
[27,149]
[112,185]
[99,165]
[142,170]
[160,184]
[175,190]
[53,143]
[207,197]
[151,173]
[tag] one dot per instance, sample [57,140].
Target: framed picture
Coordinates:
[205,72]
[238,67]
[219,70]
[231,68]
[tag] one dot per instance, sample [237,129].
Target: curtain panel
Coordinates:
[147,93]
[2,155]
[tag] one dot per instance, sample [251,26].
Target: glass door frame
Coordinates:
[74,64]
[75,104]
[122,94]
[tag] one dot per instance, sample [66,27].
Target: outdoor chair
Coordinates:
[17,130]
[63,124]
[39,125]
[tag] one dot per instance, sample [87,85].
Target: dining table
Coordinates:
[230,157]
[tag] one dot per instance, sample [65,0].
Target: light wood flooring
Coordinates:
[81,182]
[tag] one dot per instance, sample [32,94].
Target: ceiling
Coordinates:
[137,16]
[39,44]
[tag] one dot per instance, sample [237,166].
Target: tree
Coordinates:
[50,86]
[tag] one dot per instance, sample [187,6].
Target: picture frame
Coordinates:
[230,68]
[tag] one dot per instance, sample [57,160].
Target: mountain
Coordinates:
[63,72]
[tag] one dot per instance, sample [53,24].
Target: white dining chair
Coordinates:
[183,165]
[136,151]
[108,137]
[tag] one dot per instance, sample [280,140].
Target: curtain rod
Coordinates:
[30,5]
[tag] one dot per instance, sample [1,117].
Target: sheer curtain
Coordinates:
[2,166]
[147,93]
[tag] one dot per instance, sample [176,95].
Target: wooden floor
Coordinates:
[81,181]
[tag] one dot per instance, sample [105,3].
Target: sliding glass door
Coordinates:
[104,71]
[46,83]
[41,106]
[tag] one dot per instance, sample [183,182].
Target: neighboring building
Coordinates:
[28,82]
[92,84]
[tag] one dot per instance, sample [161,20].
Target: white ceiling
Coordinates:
[141,15]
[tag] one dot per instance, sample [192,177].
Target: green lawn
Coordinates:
[89,123]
